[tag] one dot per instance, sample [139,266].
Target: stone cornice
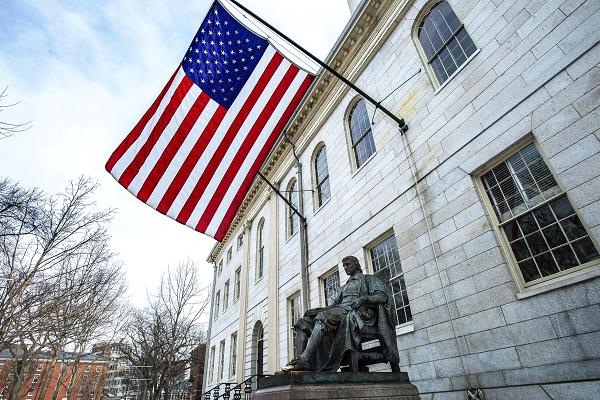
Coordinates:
[361,40]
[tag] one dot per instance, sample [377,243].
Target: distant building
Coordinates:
[72,378]
[120,382]
[484,216]
[197,370]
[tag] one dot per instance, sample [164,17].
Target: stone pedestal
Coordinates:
[336,385]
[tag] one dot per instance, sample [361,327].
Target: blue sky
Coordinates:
[85,72]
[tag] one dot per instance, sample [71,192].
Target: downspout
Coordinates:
[303,241]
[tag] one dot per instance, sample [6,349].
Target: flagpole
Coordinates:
[399,121]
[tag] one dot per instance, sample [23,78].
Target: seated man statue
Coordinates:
[325,337]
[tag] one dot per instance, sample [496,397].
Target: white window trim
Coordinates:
[322,278]
[355,169]
[437,87]
[295,295]
[583,272]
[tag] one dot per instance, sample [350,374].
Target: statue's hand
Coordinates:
[356,304]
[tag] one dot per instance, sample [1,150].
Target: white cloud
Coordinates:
[87,72]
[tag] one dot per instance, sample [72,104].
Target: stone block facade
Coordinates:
[475,320]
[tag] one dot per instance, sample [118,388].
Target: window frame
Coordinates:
[322,280]
[233,354]
[260,251]
[292,220]
[226,296]
[221,366]
[400,327]
[549,281]
[425,10]
[212,364]
[293,297]
[217,305]
[317,201]
[349,141]
[237,284]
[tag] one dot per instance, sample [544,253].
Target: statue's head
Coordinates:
[351,265]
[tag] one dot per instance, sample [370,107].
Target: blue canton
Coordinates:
[222,56]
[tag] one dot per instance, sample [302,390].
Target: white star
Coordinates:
[219,33]
[223,52]
[225,98]
[238,78]
[217,23]
[227,33]
[198,60]
[241,51]
[203,41]
[209,21]
[229,42]
[239,41]
[209,71]
[205,51]
[222,90]
[214,53]
[221,42]
[225,62]
[203,80]
[249,48]
[243,59]
[226,23]
[247,40]
[237,32]
[196,40]
[214,91]
[202,30]
[212,42]
[231,89]
[206,62]
[252,57]
[197,51]
[258,46]
[245,68]
[192,70]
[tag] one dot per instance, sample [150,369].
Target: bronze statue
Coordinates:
[328,337]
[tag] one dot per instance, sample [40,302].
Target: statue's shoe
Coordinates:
[298,364]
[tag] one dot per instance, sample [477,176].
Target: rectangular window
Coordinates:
[236,284]
[98,368]
[233,355]
[229,255]
[220,268]
[212,364]
[39,367]
[386,265]
[221,358]
[536,220]
[331,287]
[36,378]
[226,296]
[217,305]
[293,317]
[240,241]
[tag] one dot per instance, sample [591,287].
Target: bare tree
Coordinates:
[161,336]
[61,283]
[8,129]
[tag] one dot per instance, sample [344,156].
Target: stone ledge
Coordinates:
[336,385]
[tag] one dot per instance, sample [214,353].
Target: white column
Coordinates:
[244,282]
[273,287]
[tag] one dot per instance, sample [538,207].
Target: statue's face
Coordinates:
[350,267]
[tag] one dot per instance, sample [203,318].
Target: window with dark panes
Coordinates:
[444,40]
[233,354]
[226,296]
[386,265]
[220,269]
[221,358]
[331,287]
[229,254]
[217,305]
[361,136]
[260,249]
[294,316]
[293,219]
[322,177]
[240,241]
[536,218]
[236,284]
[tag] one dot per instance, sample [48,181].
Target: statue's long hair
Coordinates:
[353,260]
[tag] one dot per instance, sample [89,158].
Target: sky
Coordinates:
[84,72]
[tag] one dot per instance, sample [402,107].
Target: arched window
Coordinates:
[260,249]
[322,191]
[361,136]
[258,344]
[445,42]
[292,217]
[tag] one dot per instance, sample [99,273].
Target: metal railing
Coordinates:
[246,388]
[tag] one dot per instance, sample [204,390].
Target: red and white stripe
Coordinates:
[194,160]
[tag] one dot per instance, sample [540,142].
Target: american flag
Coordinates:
[195,152]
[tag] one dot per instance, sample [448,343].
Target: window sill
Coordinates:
[566,280]
[447,81]
[405,328]
[321,206]
[368,160]
[292,236]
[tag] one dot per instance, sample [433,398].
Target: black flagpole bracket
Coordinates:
[289,204]
[400,121]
